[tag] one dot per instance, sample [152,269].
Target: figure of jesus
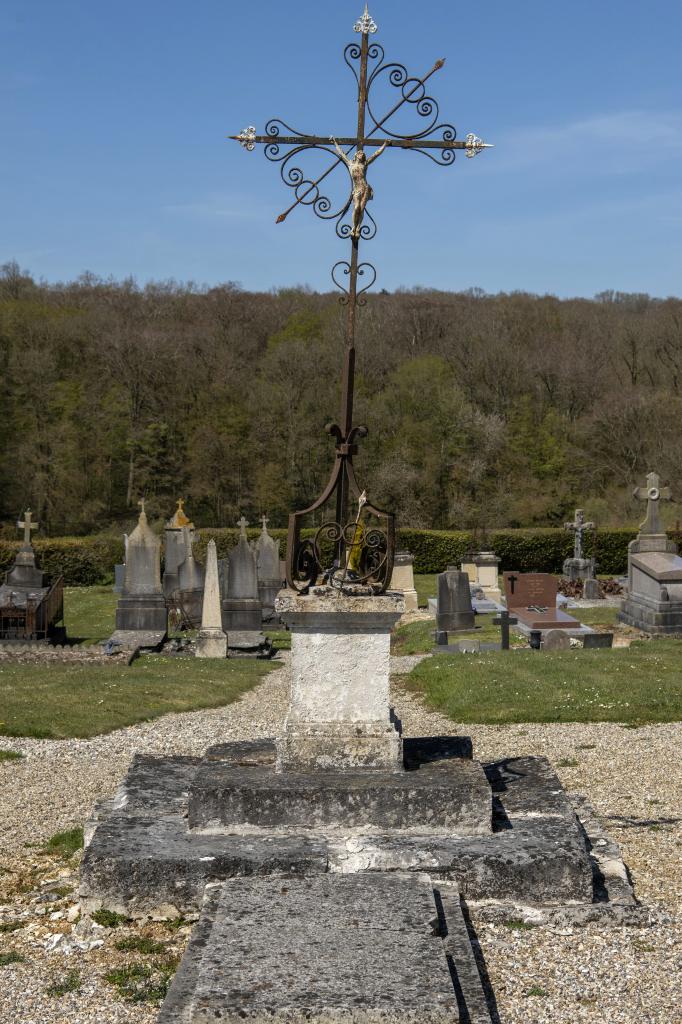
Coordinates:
[362,190]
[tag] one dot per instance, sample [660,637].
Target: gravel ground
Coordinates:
[596,974]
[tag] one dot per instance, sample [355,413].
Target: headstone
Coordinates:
[454,610]
[578,567]
[504,620]
[402,580]
[556,640]
[482,568]
[120,569]
[596,641]
[532,597]
[142,606]
[183,576]
[654,600]
[592,590]
[24,574]
[242,610]
[211,641]
[268,570]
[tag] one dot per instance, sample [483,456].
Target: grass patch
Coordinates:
[65,844]
[140,944]
[517,925]
[11,958]
[417,637]
[88,700]
[10,755]
[567,762]
[108,918]
[71,982]
[175,924]
[11,926]
[142,983]
[536,991]
[89,613]
[636,685]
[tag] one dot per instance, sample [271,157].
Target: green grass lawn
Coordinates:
[633,685]
[85,700]
[89,613]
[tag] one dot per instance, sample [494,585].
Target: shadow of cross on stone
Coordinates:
[504,620]
[653,493]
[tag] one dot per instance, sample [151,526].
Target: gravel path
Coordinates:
[595,974]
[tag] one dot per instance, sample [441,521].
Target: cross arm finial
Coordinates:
[366,25]
[653,493]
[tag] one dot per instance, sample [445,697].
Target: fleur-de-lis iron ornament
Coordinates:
[352,551]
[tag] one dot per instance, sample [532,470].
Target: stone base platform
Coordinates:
[440,795]
[143,860]
[660,617]
[361,949]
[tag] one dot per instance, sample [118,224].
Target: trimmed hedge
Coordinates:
[88,561]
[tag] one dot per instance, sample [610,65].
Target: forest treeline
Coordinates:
[483,410]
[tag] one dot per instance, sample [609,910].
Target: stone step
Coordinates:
[451,795]
[327,949]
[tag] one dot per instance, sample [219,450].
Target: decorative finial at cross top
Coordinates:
[653,493]
[26,524]
[375,133]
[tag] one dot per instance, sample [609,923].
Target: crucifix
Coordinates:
[579,527]
[353,154]
[653,493]
[26,524]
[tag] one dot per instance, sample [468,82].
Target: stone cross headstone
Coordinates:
[504,620]
[653,494]
[211,641]
[578,567]
[26,524]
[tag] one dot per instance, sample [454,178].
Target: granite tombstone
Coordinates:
[532,597]
[454,611]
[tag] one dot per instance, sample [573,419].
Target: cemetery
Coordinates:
[311,754]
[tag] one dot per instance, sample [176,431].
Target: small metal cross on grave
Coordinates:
[653,493]
[512,582]
[376,132]
[580,527]
[504,620]
[26,524]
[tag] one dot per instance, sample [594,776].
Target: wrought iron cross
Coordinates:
[26,524]
[653,493]
[306,559]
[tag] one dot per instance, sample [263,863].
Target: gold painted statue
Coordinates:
[362,190]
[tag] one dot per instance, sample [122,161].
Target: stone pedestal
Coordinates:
[339,716]
[482,568]
[402,580]
[577,568]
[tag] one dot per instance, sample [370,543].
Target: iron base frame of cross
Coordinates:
[357,549]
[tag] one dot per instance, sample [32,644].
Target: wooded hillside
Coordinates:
[504,410]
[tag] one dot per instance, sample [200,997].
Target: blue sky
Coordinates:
[113,120]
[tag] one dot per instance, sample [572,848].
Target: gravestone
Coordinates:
[504,620]
[24,574]
[211,641]
[556,640]
[242,610]
[596,641]
[482,569]
[402,580]
[23,591]
[454,612]
[120,568]
[183,576]
[142,606]
[578,567]
[268,571]
[592,590]
[654,600]
[532,597]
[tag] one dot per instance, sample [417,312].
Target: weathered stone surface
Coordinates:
[442,796]
[142,606]
[402,580]
[211,641]
[339,714]
[556,640]
[330,949]
[482,569]
[454,609]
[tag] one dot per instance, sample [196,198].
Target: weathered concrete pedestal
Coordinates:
[339,714]
[402,580]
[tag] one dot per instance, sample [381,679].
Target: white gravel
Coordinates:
[596,974]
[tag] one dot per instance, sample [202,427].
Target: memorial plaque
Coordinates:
[532,596]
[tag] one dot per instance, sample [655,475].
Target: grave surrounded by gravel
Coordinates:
[556,972]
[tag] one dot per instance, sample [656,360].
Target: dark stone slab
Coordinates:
[360,949]
[450,794]
[454,610]
[593,641]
